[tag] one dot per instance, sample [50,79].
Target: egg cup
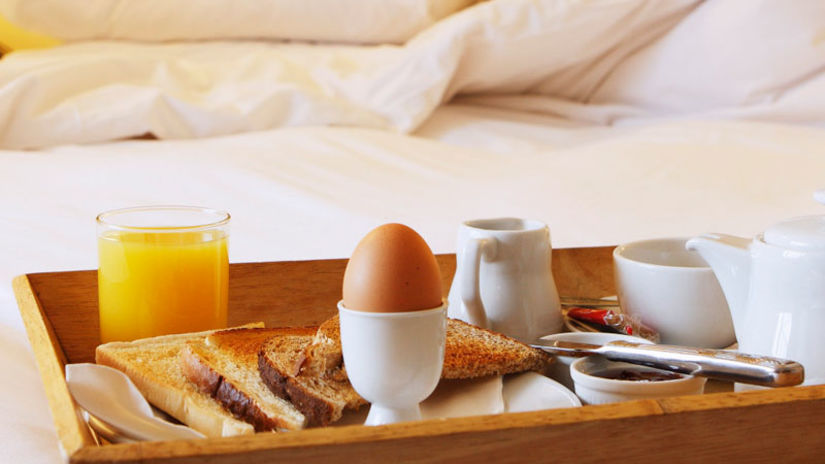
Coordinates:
[393,360]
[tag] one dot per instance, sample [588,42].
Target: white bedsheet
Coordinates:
[559,111]
[302,193]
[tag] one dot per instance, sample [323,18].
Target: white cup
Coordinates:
[503,280]
[673,291]
[393,360]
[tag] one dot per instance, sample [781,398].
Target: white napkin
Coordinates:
[110,395]
[467,397]
[527,391]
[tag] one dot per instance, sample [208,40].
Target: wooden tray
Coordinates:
[60,313]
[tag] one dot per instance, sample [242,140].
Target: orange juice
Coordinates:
[160,282]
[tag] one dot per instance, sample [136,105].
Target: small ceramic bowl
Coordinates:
[560,370]
[596,389]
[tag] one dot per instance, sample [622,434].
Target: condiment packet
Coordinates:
[609,320]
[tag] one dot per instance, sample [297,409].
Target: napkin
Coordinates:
[112,397]
[464,397]
[527,391]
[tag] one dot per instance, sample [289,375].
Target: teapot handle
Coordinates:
[474,249]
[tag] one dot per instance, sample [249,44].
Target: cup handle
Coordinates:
[474,249]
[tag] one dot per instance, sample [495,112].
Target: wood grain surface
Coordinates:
[60,313]
[51,361]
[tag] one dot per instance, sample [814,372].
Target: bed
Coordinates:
[609,120]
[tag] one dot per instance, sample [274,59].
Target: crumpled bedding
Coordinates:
[606,62]
[356,21]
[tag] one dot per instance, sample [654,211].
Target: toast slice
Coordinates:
[153,366]
[224,365]
[311,374]
[470,352]
[321,398]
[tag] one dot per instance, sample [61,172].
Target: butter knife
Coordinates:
[714,364]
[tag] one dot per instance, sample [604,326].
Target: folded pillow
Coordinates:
[356,21]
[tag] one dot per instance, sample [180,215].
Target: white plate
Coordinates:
[530,391]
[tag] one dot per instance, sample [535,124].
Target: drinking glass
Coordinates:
[162,270]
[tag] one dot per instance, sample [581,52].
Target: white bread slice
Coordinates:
[224,365]
[154,367]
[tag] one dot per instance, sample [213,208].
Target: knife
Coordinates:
[714,364]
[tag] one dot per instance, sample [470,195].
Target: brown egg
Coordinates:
[392,270]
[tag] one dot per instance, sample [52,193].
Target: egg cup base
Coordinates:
[381,415]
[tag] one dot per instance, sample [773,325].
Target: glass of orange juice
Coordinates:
[162,270]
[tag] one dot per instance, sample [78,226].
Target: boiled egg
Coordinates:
[392,269]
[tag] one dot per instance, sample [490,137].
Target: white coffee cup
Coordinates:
[673,291]
[503,280]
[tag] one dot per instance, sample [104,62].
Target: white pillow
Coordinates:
[727,54]
[358,21]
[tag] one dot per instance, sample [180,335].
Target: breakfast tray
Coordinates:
[59,310]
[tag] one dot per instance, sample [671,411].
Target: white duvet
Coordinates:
[610,120]
[606,61]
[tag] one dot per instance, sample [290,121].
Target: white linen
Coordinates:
[303,193]
[100,91]
[759,54]
[358,21]
[616,62]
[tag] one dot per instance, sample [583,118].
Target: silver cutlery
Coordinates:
[715,364]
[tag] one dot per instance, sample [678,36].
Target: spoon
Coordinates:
[110,396]
[106,431]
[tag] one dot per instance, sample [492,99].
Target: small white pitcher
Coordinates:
[503,279]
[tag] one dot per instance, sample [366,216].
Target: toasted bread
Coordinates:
[225,366]
[470,352]
[321,398]
[153,366]
[310,371]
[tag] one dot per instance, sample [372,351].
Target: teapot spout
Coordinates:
[730,259]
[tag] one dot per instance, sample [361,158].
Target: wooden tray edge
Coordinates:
[71,428]
[589,434]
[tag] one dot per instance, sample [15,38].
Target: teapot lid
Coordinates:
[805,233]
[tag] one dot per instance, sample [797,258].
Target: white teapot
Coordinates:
[775,287]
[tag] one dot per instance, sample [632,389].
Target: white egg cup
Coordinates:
[393,360]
